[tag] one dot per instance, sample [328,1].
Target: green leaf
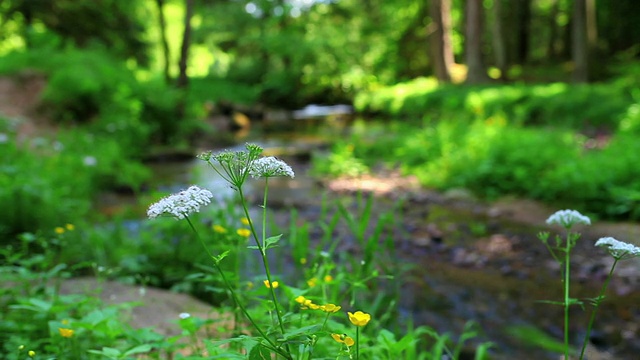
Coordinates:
[259,352]
[109,352]
[536,338]
[138,349]
[219,258]
[272,241]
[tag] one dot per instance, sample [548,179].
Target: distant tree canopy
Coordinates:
[296,51]
[113,24]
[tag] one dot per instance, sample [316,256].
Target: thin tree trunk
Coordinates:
[580,45]
[183,79]
[440,39]
[473,43]
[499,48]
[166,54]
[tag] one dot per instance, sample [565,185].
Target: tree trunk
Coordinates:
[584,38]
[166,54]
[440,39]
[498,39]
[183,79]
[473,43]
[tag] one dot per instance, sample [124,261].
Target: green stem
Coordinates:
[273,346]
[567,266]
[357,343]
[596,306]
[261,248]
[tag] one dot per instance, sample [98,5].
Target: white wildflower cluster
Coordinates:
[619,249]
[181,204]
[269,167]
[568,218]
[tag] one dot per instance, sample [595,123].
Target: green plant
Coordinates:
[560,249]
[280,327]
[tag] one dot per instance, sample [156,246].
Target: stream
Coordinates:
[468,260]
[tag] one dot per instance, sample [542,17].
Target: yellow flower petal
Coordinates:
[59,230]
[66,332]
[243,232]
[219,229]
[244,221]
[70,227]
[359,318]
[275,284]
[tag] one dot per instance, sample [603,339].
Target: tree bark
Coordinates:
[166,54]
[473,43]
[183,78]
[440,39]
[584,39]
[498,39]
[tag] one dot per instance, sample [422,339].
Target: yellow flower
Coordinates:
[31,353]
[275,284]
[244,221]
[300,299]
[65,332]
[243,232]
[312,282]
[343,339]
[328,278]
[313,306]
[359,318]
[219,229]
[70,227]
[330,308]
[303,261]
[59,230]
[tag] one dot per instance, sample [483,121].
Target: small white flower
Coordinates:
[184,315]
[181,204]
[270,166]
[89,161]
[4,138]
[619,249]
[568,218]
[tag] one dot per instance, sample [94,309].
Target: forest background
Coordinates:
[534,98]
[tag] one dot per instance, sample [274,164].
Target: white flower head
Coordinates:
[184,315]
[269,167]
[619,249]
[89,160]
[181,204]
[568,218]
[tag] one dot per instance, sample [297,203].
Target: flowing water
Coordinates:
[468,262]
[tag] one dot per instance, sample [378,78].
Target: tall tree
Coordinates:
[473,43]
[584,39]
[183,79]
[166,54]
[498,39]
[440,39]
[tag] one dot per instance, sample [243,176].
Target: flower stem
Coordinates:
[261,247]
[273,346]
[567,266]
[596,306]
[357,343]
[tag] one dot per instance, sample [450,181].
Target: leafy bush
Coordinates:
[493,158]
[559,104]
[47,181]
